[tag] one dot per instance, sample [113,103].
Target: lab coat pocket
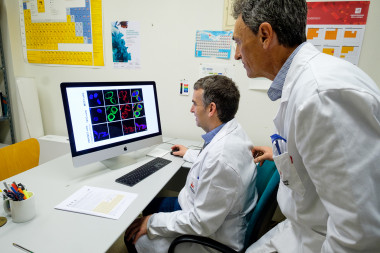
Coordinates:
[288,173]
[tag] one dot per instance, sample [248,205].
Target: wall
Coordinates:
[168,30]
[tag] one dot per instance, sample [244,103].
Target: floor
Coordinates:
[118,246]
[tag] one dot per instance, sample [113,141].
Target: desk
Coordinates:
[54,230]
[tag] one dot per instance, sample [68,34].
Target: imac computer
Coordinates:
[108,119]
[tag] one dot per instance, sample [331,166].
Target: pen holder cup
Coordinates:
[21,211]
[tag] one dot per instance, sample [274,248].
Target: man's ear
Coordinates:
[266,34]
[212,109]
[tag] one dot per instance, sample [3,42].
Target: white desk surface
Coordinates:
[54,230]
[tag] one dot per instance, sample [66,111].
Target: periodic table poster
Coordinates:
[62,32]
[337,28]
[215,44]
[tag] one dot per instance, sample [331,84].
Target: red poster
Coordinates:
[337,13]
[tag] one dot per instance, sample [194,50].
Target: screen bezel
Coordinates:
[66,85]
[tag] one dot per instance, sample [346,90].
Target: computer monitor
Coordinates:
[108,119]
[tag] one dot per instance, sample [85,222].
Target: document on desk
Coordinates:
[98,202]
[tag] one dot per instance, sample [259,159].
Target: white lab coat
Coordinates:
[329,114]
[216,198]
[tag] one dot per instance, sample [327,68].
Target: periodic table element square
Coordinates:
[216,44]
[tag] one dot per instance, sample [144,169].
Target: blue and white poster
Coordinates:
[126,44]
[215,44]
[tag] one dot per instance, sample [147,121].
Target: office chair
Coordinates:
[19,157]
[267,181]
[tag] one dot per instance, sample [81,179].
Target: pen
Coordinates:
[6,186]
[276,139]
[15,192]
[11,195]
[22,248]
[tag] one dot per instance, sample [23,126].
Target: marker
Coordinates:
[15,192]
[22,248]
[25,194]
[14,185]
[20,191]
[21,186]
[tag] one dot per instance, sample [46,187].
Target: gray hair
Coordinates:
[223,92]
[287,18]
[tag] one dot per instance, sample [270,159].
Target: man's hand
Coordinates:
[262,153]
[179,150]
[137,229]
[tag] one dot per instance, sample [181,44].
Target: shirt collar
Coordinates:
[275,90]
[207,137]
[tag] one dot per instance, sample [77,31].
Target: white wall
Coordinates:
[168,30]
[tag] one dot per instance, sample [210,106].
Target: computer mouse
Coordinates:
[174,150]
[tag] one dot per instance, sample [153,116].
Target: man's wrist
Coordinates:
[148,224]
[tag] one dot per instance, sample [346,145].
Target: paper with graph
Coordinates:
[337,28]
[98,201]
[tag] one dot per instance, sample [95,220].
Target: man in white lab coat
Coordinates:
[327,147]
[219,190]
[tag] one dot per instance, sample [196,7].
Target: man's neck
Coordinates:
[213,125]
[279,56]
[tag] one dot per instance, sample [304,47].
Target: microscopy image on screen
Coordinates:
[140,124]
[138,110]
[111,97]
[124,96]
[95,98]
[137,95]
[126,111]
[98,115]
[100,132]
[115,113]
[129,126]
[115,129]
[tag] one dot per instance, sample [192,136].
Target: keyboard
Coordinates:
[143,171]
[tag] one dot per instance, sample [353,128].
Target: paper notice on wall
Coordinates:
[206,69]
[259,83]
[337,28]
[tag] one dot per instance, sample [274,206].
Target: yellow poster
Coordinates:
[62,32]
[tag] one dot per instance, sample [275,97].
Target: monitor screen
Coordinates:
[107,119]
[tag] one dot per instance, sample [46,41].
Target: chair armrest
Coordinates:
[205,241]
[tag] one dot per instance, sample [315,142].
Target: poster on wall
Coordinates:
[215,44]
[126,44]
[337,28]
[62,32]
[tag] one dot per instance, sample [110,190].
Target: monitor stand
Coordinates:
[122,161]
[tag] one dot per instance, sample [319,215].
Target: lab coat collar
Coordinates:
[207,137]
[226,129]
[275,89]
[307,52]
